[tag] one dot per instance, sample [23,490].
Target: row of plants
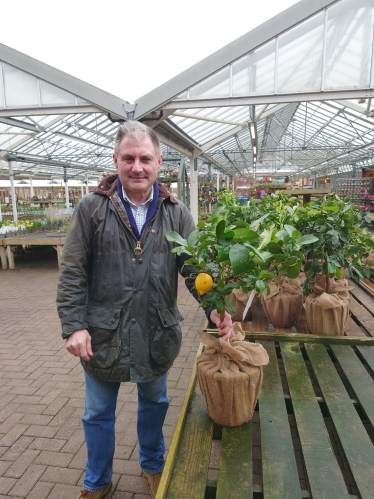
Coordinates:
[282,250]
[12,228]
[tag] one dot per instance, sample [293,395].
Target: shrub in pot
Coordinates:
[284,303]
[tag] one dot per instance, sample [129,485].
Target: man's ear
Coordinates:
[159,162]
[115,161]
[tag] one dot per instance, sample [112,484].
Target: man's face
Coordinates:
[137,164]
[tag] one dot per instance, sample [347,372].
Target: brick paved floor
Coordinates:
[42,449]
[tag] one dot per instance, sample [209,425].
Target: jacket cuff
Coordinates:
[71,324]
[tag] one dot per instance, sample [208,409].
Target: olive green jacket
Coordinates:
[127,302]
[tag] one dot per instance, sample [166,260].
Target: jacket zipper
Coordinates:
[138,250]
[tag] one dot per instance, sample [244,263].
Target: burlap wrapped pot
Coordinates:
[230,376]
[370,261]
[284,303]
[327,313]
[239,299]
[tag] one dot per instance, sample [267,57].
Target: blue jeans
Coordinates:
[98,423]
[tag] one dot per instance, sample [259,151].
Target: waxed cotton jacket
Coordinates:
[126,301]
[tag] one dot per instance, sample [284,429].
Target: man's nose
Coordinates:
[137,166]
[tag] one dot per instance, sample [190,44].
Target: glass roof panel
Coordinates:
[217,85]
[54,96]
[300,56]
[254,73]
[349,44]
[21,89]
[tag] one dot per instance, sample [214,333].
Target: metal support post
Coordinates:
[31,189]
[82,188]
[194,178]
[217,181]
[13,192]
[66,189]
[87,191]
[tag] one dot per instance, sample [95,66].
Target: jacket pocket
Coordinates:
[167,340]
[104,326]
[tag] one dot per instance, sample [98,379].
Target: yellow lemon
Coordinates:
[203,283]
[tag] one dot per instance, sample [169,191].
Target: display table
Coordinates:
[307,193]
[308,435]
[36,239]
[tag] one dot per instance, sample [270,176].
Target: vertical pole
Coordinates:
[82,188]
[217,181]
[194,178]
[13,193]
[66,189]
[87,191]
[31,189]
[1,215]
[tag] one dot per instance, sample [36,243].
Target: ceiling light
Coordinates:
[252,129]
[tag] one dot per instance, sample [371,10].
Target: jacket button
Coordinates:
[140,260]
[135,291]
[132,364]
[133,320]
[111,321]
[134,259]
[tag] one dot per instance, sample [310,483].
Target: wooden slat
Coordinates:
[36,241]
[363,316]
[368,354]
[362,297]
[166,474]
[360,380]
[280,477]
[283,330]
[235,466]
[352,434]
[188,480]
[353,329]
[259,320]
[367,286]
[325,478]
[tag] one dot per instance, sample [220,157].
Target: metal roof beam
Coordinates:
[19,124]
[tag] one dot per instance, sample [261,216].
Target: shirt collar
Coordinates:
[126,198]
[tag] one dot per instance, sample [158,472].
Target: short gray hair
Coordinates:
[139,132]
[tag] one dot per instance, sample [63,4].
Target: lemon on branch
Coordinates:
[203,283]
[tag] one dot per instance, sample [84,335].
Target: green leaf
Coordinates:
[348,273]
[223,237]
[260,286]
[229,287]
[239,259]
[202,247]
[289,229]
[223,254]
[266,275]
[307,239]
[174,237]
[230,305]
[338,273]
[259,220]
[193,238]
[274,248]
[201,225]
[296,235]
[332,208]
[307,266]
[331,267]
[289,209]
[248,234]
[282,235]
[293,272]
[315,266]
[260,255]
[346,208]
[313,212]
[265,238]
[217,212]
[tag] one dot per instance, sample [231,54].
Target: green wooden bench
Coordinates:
[311,436]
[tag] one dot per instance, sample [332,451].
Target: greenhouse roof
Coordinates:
[292,96]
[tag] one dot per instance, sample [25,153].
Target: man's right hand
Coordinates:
[79,344]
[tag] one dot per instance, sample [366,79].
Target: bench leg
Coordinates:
[4,260]
[10,257]
[59,254]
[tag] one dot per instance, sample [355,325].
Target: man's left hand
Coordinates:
[225,325]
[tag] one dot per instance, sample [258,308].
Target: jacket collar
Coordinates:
[109,185]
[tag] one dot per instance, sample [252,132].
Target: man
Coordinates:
[117,300]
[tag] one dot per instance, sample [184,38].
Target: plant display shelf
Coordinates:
[308,193]
[353,188]
[36,239]
[310,435]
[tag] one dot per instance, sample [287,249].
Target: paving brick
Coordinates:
[123,495]
[125,467]
[6,484]
[47,444]
[58,459]
[123,451]
[61,475]
[13,435]
[21,464]
[36,419]
[134,484]
[41,431]
[17,448]
[40,490]
[27,481]
[4,465]
[79,461]
[62,491]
